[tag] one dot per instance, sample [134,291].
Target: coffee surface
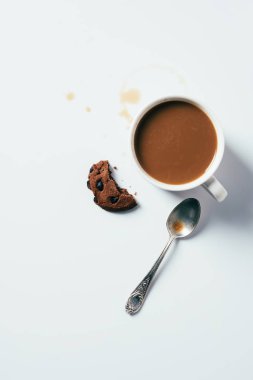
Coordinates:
[175,142]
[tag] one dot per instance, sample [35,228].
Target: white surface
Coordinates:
[66,266]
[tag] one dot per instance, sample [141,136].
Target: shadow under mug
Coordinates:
[207,179]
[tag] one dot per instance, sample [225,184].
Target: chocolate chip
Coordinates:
[99,185]
[91,169]
[114,199]
[95,200]
[88,184]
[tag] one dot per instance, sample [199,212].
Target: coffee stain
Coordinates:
[70,96]
[178,226]
[131,96]
[128,96]
[87,109]
[166,67]
[126,115]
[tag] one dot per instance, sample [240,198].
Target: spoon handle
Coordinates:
[137,297]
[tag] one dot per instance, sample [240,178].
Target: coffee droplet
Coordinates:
[70,96]
[126,115]
[130,96]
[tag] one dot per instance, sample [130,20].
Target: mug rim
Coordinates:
[214,164]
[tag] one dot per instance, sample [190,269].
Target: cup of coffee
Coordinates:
[178,145]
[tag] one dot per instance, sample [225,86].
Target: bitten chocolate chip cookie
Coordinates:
[107,193]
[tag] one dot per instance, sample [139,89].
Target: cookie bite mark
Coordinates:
[106,191]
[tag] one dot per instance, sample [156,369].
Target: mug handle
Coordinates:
[215,188]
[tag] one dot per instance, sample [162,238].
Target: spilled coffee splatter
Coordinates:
[131,96]
[70,96]
[128,97]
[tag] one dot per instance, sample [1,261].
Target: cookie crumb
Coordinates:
[87,109]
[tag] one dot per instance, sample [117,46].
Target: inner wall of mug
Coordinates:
[211,168]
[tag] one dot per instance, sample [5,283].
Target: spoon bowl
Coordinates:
[184,218]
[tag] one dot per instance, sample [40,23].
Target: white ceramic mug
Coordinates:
[207,179]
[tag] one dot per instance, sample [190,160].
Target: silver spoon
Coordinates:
[180,223]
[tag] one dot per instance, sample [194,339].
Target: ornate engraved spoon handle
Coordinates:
[137,297]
